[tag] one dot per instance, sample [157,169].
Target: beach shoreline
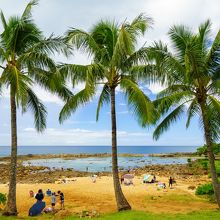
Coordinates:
[45,174]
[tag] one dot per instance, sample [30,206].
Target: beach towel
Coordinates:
[37,208]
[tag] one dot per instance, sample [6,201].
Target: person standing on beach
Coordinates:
[62,200]
[53,200]
[170,182]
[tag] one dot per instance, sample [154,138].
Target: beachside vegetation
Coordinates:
[203,150]
[134,215]
[24,53]
[112,47]
[3,199]
[205,189]
[191,76]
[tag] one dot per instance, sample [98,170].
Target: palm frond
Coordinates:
[167,121]
[146,73]
[3,20]
[204,32]
[103,98]
[180,36]
[139,56]
[38,110]
[139,25]
[78,73]
[27,12]
[192,111]
[166,103]
[51,45]
[81,40]
[138,102]
[213,58]
[19,83]
[79,99]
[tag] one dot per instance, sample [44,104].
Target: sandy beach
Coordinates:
[82,194]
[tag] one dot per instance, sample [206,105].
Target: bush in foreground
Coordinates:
[206,189]
[2,199]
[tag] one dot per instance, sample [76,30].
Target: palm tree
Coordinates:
[25,60]
[192,76]
[112,48]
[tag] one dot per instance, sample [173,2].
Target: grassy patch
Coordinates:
[138,215]
[178,198]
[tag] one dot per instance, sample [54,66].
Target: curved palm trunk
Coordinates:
[122,203]
[10,208]
[211,155]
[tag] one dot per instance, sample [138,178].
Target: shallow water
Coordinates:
[94,164]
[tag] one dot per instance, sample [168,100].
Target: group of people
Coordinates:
[170,182]
[40,205]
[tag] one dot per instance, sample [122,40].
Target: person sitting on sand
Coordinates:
[93,178]
[31,193]
[48,192]
[164,186]
[39,196]
[161,185]
[39,206]
[48,209]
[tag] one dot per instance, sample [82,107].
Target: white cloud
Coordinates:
[29,129]
[79,122]
[119,112]
[75,136]
[156,87]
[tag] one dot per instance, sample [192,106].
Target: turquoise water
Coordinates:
[94,164]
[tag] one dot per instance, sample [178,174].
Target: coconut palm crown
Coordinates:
[112,49]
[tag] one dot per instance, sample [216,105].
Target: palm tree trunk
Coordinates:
[10,208]
[211,155]
[122,203]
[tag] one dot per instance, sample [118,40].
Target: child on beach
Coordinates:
[53,200]
[61,195]
[62,200]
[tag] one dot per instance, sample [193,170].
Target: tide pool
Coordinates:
[94,164]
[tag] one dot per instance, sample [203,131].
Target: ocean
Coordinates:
[24,150]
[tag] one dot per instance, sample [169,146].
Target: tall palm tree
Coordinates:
[192,75]
[24,53]
[112,48]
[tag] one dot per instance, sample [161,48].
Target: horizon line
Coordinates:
[103,146]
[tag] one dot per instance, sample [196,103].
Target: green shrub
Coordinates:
[204,164]
[2,199]
[203,149]
[206,189]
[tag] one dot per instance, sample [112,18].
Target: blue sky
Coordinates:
[56,16]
